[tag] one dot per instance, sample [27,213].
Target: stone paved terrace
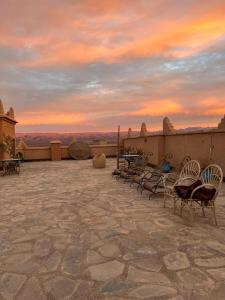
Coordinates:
[68,231]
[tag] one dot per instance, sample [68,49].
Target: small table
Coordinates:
[130,158]
[11,165]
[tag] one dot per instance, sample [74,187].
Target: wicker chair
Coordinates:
[204,195]
[189,173]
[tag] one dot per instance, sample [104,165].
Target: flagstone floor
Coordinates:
[68,231]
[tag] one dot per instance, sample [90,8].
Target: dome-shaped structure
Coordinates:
[22,144]
[11,113]
[143,131]
[74,140]
[168,127]
[221,125]
[129,133]
[1,108]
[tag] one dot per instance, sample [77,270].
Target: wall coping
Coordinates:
[8,118]
[177,134]
[101,146]
[55,142]
[34,148]
[64,147]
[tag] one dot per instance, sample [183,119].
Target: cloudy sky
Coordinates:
[89,65]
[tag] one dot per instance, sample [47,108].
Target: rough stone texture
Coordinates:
[94,258]
[216,246]
[106,271]
[52,262]
[217,274]
[138,275]
[10,284]
[213,262]
[176,261]
[42,247]
[195,279]
[61,287]
[149,291]
[70,231]
[32,290]
[109,250]
[151,263]
[23,247]
[117,285]
[72,260]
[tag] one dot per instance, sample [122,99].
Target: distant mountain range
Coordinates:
[43,139]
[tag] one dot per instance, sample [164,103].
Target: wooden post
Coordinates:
[118,147]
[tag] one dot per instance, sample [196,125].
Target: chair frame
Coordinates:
[156,179]
[213,179]
[190,171]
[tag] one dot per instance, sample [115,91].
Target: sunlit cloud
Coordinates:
[159,108]
[91,64]
[44,118]
[213,106]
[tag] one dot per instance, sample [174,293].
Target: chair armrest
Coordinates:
[179,180]
[201,186]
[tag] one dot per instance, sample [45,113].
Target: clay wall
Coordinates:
[204,146]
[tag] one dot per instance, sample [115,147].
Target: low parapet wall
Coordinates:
[206,147]
[36,153]
[48,153]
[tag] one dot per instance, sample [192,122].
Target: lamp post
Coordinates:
[118,147]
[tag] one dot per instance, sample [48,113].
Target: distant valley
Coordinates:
[43,139]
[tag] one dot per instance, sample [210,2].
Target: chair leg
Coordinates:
[203,211]
[165,198]
[214,214]
[191,215]
[181,208]
[174,205]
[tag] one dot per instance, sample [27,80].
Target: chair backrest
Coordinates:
[212,175]
[191,169]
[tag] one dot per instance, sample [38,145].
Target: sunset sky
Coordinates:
[89,65]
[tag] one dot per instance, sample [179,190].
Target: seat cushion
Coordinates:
[204,194]
[185,191]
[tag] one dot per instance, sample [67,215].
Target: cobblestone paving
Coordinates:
[68,231]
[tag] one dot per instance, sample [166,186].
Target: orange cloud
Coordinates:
[43,118]
[158,108]
[64,39]
[213,106]
[114,37]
